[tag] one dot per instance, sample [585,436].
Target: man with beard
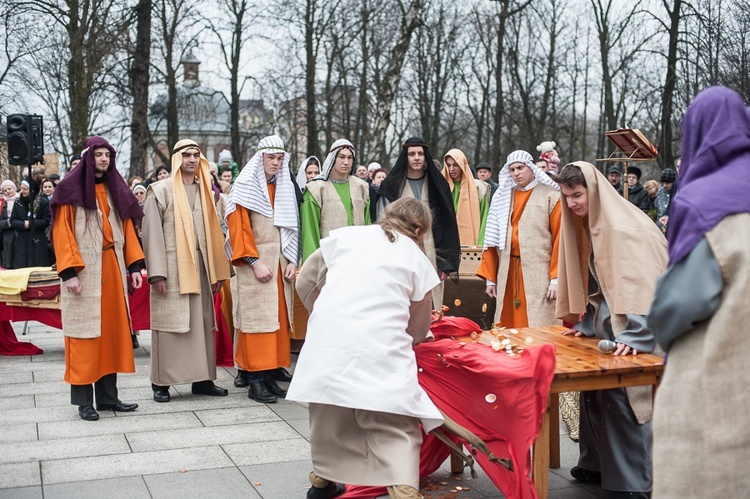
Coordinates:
[415,175]
[333,199]
[95,240]
[183,242]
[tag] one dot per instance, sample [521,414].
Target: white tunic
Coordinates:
[357,353]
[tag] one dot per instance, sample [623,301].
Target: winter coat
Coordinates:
[31,250]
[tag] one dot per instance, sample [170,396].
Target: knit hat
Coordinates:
[668,175]
[373,166]
[225,155]
[614,169]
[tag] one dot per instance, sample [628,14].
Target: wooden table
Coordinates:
[580,367]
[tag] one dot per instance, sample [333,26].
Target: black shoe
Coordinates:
[274,388]
[240,380]
[162,396]
[281,374]
[585,476]
[259,392]
[209,389]
[330,491]
[134,337]
[120,406]
[88,413]
[633,495]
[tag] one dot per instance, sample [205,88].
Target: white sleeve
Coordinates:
[424,277]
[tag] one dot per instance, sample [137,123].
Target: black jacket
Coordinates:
[639,197]
[31,251]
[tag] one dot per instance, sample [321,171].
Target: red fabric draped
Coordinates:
[459,378]
[9,344]
[224,347]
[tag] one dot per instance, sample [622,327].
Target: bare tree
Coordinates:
[389,87]
[139,84]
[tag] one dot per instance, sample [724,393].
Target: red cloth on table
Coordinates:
[458,378]
[224,347]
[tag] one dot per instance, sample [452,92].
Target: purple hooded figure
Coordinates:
[715,170]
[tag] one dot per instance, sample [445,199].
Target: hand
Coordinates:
[262,272]
[664,220]
[443,276]
[290,272]
[623,349]
[552,292]
[136,279]
[26,224]
[491,291]
[73,285]
[160,286]
[569,332]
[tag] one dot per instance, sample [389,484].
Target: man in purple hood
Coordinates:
[95,242]
[700,312]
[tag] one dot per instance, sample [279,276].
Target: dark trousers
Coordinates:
[197,384]
[106,391]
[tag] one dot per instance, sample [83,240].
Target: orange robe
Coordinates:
[258,351]
[88,359]
[512,316]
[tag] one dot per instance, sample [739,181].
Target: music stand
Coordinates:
[631,146]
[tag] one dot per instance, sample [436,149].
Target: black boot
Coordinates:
[281,374]
[274,388]
[134,337]
[259,391]
[330,491]
[241,379]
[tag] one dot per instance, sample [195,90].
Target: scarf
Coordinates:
[250,191]
[78,186]
[498,219]
[187,267]
[629,250]
[715,170]
[325,170]
[444,225]
[301,175]
[467,211]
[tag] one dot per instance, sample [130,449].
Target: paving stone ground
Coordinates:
[194,446]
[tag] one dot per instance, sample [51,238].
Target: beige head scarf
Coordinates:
[218,265]
[467,211]
[629,250]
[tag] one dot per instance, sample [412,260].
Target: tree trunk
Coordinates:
[78,90]
[666,158]
[387,91]
[313,148]
[139,81]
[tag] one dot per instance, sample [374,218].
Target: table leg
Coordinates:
[554,430]
[540,465]
[457,464]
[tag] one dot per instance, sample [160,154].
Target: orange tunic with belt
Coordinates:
[258,351]
[515,294]
[88,359]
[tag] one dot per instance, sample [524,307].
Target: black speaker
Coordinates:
[25,139]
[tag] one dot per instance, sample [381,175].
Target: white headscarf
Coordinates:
[498,218]
[325,170]
[10,201]
[250,191]
[301,175]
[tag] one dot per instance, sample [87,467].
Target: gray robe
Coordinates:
[612,441]
[179,357]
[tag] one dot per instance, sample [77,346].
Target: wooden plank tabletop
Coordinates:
[580,356]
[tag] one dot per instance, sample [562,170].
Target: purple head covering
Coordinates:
[715,170]
[78,186]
